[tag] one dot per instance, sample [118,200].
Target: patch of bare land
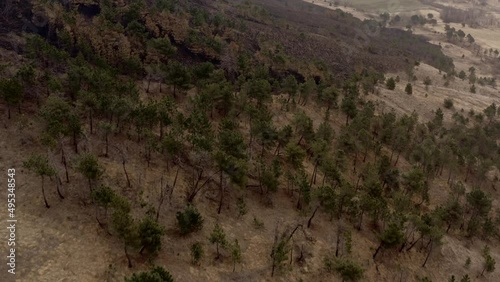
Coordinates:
[426,101]
[353,11]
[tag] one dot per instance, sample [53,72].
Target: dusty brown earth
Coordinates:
[65,243]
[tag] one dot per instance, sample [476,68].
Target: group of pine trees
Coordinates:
[221,131]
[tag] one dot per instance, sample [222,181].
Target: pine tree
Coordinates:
[89,167]
[409,89]
[235,253]
[156,274]
[12,92]
[218,237]
[40,166]
[391,84]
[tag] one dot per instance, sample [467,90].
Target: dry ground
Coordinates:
[65,243]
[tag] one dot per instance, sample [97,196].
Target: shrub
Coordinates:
[391,84]
[190,220]
[346,268]
[448,103]
[427,81]
[158,274]
[409,89]
[196,253]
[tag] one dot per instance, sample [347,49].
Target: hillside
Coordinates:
[252,140]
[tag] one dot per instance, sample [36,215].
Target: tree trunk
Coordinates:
[91,122]
[75,143]
[378,249]
[217,246]
[127,255]
[413,244]
[466,173]
[8,111]
[337,244]
[311,218]
[161,130]
[300,140]
[355,161]
[429,253]
[360,220]
[175,182]
[58,186]
[221,193]
[397,159]
[276,152]
[274,266]
[65,164]
[313,174]
[107,145]
[90,185]
[449,176]
[126,174]
[43,193]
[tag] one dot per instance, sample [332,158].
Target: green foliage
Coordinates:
[290,86]
[279,253]
[489,261]
[349,108]
[201,135]
[89,167]
[258,89]
[178,76]
[189,221]
[12,92]
[56,112]
[197,253]
[258,224]
[39,164]
[294,154]
[448,103]
[391,84]
[427,82]
[269,176]
[462,75]
[467,263]
[472,88]
[409,89]
[157,274]
[218,237]
[242,207]
[328,96]
[163,46]
[392,236]
[103,196]
[346,268]
[150,234]
[465,278]
[236,253]
[231,139]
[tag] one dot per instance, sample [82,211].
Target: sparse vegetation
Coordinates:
[448,103]
[190,220]
[176,114]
